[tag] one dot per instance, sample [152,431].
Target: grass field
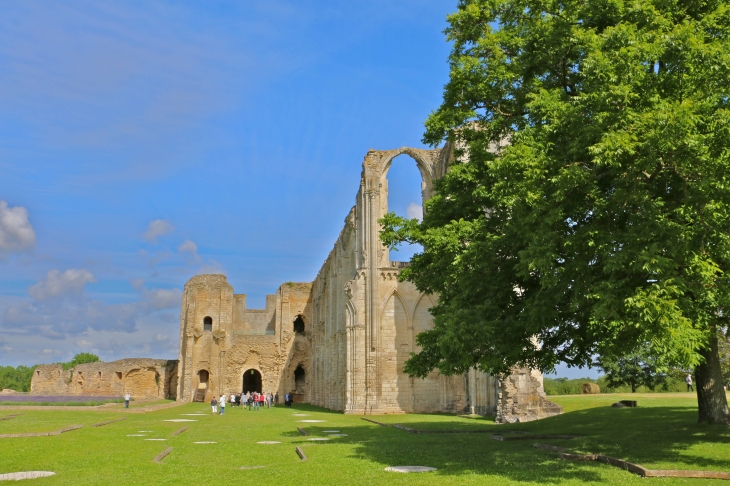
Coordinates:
[661,434]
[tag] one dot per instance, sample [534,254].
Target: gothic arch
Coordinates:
[426,160]
[384,303]
[418,301]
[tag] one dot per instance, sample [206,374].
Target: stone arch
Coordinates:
[422,158]
[252,380]
[299,324]
[384,303]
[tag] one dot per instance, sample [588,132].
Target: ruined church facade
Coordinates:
[341,341]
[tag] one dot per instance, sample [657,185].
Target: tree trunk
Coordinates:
[711,399]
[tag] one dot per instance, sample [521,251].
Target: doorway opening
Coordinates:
[299,325]
[251,381]
[299,379]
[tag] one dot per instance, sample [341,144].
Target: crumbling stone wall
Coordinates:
[140,377]
[360,327]
[522,398]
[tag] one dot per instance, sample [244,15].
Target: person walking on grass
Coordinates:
[222,404]
[688,380]
[262,399]
[276,399]
[126,400]
[214,405]
[256,401]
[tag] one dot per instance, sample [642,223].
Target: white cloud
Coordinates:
[158,299]
[189,247]
[55,284]
[157,228]
[59,308]
[16,232]
[414,211]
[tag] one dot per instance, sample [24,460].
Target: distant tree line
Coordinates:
[18,378]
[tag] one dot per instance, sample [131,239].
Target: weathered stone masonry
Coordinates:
[140,377]
[341,341]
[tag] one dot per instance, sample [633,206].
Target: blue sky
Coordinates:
[142,143]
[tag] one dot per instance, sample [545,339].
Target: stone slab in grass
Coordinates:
[312,421]
[410,469]
[180,420]
[331,431]
[145,431]
[17,476]
[155,439]
[319,438]
[338,435]
[268,442]
[205,442]
[136,435]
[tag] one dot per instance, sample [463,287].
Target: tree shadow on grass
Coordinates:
[655,437]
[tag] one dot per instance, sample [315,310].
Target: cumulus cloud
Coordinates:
[59,307]
[16,232]
[188,246]
[414,211]
[157,228]
[56,284]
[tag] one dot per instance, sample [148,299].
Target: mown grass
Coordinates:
[661,433]
[86,403]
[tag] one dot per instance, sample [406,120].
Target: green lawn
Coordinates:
[661,433]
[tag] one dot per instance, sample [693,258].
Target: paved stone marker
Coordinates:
[331,431]
[319,438]
[338,435]
[409,469]
[269,442]
[17,476]
[179,420]
[205,442]
[136,435]
[155,439]
[312,421]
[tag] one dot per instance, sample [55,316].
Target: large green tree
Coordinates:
[588,210]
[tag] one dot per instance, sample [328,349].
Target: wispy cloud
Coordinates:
[156,229]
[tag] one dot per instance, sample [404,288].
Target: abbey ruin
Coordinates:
[339,342]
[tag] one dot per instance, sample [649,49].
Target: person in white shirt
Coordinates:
[126,400]
[222,404]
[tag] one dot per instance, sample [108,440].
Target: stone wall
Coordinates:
[522,398]
[360,327]
[140,377]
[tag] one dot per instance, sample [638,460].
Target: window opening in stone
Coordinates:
[119,375]
[299,325]
[203,376]
[100,374]
[405,198]
[208,323]
[251,381]
[299,379]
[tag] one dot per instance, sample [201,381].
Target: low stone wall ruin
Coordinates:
[140,377]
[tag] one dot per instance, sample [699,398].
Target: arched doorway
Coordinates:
[252,381]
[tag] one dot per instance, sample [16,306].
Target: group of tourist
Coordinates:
[254,401]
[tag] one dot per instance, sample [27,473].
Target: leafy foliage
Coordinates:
[589,207]
[17,379]
[635,369]
[80,358]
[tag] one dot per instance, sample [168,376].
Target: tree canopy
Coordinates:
[588,209]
